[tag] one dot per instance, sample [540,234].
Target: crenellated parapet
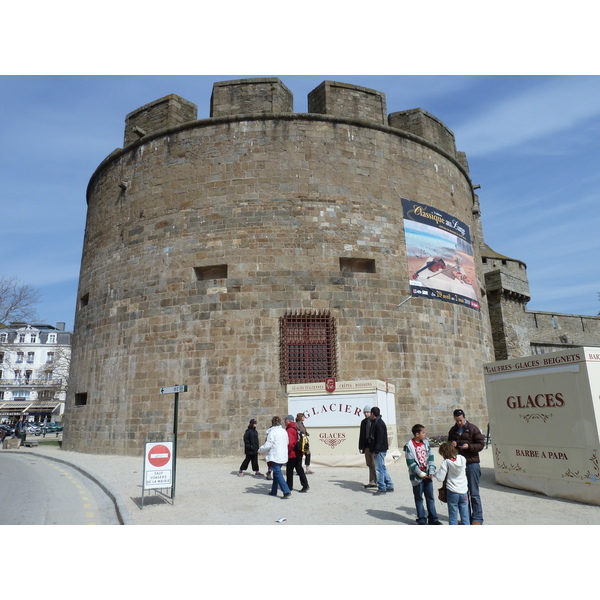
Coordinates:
[250,96]
[269,96]
[166,112]
[348,101]
[425,125]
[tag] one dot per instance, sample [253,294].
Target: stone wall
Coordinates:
[550,332]
[226,223]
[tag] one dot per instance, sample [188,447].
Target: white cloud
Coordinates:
[549,108]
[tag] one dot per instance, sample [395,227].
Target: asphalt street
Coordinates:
[38,491]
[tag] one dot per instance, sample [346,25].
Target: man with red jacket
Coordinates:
[294,458]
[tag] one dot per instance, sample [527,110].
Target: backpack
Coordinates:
[301,446]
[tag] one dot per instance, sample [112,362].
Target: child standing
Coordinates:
[455,466]
[421,467]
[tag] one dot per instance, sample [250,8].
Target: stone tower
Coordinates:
[508,294]
[210,244]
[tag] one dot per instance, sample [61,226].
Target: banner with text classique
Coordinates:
[439,255]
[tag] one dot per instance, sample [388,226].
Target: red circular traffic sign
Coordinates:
[159,455]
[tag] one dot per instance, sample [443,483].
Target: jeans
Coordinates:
[425,486]
[458,503]
[476,508]
[384,481]
[278,480]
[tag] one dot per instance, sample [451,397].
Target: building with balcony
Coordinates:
[34,368]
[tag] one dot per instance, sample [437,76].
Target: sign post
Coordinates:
[175,389]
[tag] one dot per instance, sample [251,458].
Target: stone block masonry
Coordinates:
[226,225]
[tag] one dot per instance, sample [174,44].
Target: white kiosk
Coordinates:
[333,411]
[544,422]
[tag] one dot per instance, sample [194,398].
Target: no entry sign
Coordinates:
[159,455]
[158,465]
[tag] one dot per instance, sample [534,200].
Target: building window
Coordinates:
[81,399]
[1,357]
[30,357]
[21,338]
[33,338]
[50,357]
[357,265]
[52,338]
[211,272]
[84,300]
[20,357]
[3,338]
[307,347]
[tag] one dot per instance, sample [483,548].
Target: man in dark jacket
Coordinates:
[378,445]
[363,446]
[251,446]
[470,442]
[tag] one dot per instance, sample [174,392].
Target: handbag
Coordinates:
[442,496]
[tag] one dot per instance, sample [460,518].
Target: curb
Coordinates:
[123,515]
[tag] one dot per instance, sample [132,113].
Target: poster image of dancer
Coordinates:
[439,255]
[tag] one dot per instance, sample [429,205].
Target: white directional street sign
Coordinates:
[174,389]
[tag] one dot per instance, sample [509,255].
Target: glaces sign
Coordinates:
[545,420]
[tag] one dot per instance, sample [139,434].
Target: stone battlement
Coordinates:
[268,95]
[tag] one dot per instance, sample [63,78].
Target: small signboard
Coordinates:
[158,465]
[174,389]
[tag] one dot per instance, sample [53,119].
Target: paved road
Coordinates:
[38,491]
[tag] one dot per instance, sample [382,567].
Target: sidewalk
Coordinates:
[209,492]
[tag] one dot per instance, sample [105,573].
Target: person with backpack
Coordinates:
[306,449]
[251,445]
[294,455]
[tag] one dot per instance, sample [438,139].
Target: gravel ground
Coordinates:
[209,492]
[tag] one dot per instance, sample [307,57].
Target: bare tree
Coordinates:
[17,301]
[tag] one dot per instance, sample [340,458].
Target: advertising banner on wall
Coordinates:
[439,255]
[544,421]
[333,419]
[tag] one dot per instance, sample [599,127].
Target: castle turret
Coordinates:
[507,289]
[260,247]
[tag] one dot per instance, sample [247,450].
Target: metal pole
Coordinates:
[175,418]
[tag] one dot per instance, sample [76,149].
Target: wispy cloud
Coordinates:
[549,108]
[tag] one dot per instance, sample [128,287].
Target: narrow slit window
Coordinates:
[357,265]
[211,272]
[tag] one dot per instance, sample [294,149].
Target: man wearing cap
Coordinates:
[294,458]
[469,441]
[251,449]
[363,446]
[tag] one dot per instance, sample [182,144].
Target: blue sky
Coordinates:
[531,142]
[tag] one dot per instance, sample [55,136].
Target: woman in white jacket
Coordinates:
[455,467]
[276,448]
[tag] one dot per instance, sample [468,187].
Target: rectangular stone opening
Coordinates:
[84,300]
[81,399]
[357,265]
[211,272]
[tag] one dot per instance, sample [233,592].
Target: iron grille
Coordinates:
[307,347]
